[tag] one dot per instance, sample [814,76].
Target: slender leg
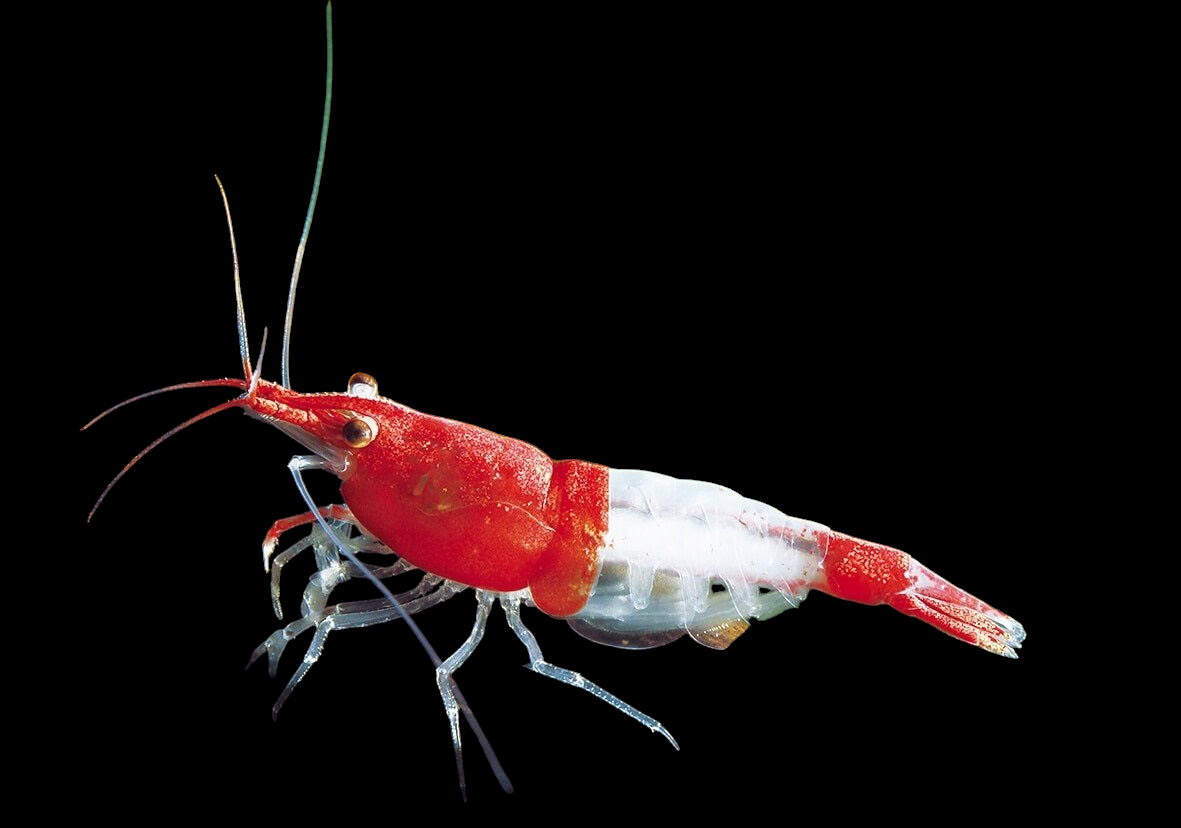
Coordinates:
[344,524]
[443,673]
[512,610]
[335,511]
[281,560]
[316,612]
[315,596]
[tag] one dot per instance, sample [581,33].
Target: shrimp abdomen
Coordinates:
[684,556]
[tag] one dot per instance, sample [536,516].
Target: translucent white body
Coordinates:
[683,556]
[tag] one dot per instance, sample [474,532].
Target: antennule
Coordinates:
[307,224]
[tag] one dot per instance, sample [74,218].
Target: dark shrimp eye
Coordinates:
[359,432]
[362,385]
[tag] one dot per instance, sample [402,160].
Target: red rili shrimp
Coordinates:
[628,558]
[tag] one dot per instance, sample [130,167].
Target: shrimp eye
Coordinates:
[362,385]
[359,431]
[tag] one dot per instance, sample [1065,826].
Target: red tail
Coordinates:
[870,573]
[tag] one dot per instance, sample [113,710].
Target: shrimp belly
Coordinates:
[684,556]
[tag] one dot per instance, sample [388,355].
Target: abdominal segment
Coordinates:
[684,556]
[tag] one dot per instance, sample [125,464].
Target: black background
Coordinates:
[711,253]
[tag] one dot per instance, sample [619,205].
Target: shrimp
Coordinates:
[631,559]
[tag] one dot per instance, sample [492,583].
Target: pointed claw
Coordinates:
[258,651]
[268,549]
[459,767]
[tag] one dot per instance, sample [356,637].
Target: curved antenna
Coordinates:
[229,383]
[243,345]
[234,403]
[248,387]
[307,224]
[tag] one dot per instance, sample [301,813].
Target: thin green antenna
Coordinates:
[307,224]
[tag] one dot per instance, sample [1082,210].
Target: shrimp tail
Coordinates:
[872,573]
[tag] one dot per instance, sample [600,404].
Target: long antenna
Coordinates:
[243,345]
[307,224]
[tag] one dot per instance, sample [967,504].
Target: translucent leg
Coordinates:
[538,664]
[335,621]
[277,568]
[343,616]
[316,612]
[344,524]
[314,603]
[443,673]
[335,512]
